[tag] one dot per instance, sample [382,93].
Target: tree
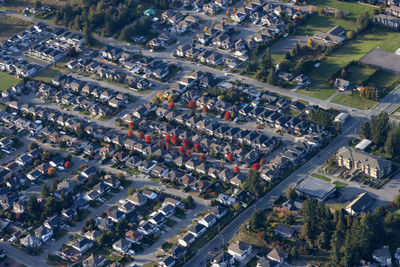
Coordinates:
[175,140]
[131,125]
[203,157]
[53,186]
[310,43]
[79,130]
[262,161]
[185,143]
[392,144]
[291,194]
[45,191]
[229,157]
[33,207]
[192,104]
[130,133]
[189,202]
[350,35]
[181,151]
[236,169]
[237,206]
[379,128]
[365,130]
[67,164]
[141,135]
[252,184]
[271,78]
[228,13]
[167,138]
[205,28]
[339,14]
[257,220]
[51,171]
[87,35]
[160,143]
[197,147]
[188,153]
[256,166]
[171,106]
[32,146]
[227,116]
[38,4]
[147,139]
[322,241]
[205,109]
[131,191]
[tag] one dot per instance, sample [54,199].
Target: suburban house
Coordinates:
[359,161]
[383,256]
[277,256]
[239,250]
[341,84]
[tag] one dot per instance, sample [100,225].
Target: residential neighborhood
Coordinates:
[199,133]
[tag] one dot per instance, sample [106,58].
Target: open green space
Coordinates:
[358,74]
[7,81]
[385,82]
[10,25]
[354,8]
[354,101]
[319,176]
[352,50]
[339,184]
[48,74]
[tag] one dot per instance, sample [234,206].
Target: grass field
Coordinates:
[385,81]
[319,176]
[324,23]
[354,101]
[351,50]
[10,26]
[48,74]
[339,184]
[358,74]
[7,80]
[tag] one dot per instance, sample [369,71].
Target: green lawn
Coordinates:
[354,8]
[358,74]
[48,74]
[339,184]
[319,176]
[385,81]
[351,50]
[7,81]
[354,101]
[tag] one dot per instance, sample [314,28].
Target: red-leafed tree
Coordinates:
[131,124]
[236,169]
[262,161]
[171,106]
[197,147]
[188,153]
[175,140]
[167,138]
[147,139]
[229,157]
[227,116]
[203,157]
[167,146]
[159,143]
[141,135]
[192,104]
[185,143]
[256,166]
[181,150]
[130,133]
[67,164]
[205,109]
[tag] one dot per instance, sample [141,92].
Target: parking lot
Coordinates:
[385,60]
[287,44]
